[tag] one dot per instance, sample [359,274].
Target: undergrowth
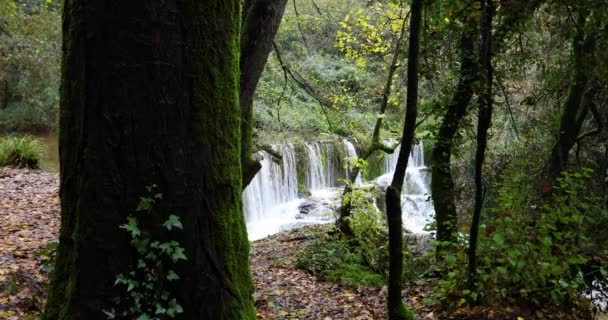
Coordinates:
[538,255]
[335,260]
[362,259]
[20,152]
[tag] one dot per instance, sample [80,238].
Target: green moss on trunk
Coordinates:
[150,95]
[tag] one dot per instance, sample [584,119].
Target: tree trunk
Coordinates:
[442,184]
[150,96]
[376,145]
[396,308]
[513,13]
[484,122]
[5,96]
[574,110]
[261,20]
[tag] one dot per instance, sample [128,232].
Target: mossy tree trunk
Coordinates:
[150,95]
[442,183]
[513,14]
[376,144]
[579,100]
[261,20]
[396,308]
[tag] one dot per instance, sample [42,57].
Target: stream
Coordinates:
[272,203]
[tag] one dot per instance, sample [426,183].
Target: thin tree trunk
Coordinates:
[484,122]
[396,308]
[150,96]
[376,145]
[6,94]
[442,184]
[261,20]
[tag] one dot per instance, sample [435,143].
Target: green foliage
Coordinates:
[20,152]
[335,260]
[529,253]
[370,233]
[362,259]
[30,54]
[369,31]
[146,285]
[47,258]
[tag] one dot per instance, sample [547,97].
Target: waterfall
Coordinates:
[324,165]
[274,186]
[271,202]
[416,205]
[350,153]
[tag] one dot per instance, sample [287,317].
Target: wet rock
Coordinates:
[306,207]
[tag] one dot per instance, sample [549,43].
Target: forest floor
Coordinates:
[29,222]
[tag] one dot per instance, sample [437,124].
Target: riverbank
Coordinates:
[30,209]
[29,221]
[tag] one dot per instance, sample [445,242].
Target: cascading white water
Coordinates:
[351,154]
[322,166]
[315,179]
[416,205]
[271,201]
[272,195]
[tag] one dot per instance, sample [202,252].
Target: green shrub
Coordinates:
[30,58]
[528,253]
[20,152]
[335,260]
[362,259]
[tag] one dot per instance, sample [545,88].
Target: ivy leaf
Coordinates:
[143,316]
[160,309]
[131,227]
[178,254]
[173,222]
[171,275]
[144,204]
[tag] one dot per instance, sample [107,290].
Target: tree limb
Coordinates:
[260,22]
[598,120]
[299,80]
[295,9]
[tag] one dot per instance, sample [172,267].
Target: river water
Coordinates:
[271,201]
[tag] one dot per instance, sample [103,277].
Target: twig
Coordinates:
[325,103]
[295,9]
[314,4]
[504,93]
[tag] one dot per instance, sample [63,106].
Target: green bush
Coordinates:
[335,260]
[20,152]
[537,254]
[30,54]
[362,259]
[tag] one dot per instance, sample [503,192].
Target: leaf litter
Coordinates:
[30,221]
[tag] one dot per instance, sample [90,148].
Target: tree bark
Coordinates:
[150,96]
[576,106]
[442,184]
[396,308]
[484,122]
[261,20]
[513,13]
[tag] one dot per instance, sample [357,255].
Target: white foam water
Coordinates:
[271,203]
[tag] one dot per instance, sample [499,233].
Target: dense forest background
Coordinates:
[535,201]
